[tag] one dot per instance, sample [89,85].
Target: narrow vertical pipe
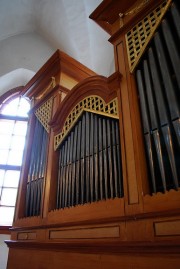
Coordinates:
[169,88]
[87,156]
[146,126]
[59,179]
[119,166]
[173,53]
[109,157]
[114,157]
[78,162]
[60,175]
[96,159]
[83,127]
[105,164]
[154,122]
[169,146]
[70,169]
[176,18]
[101,171]
[64,176]
[92,161]
[74,166]
[67,170]
[176,124]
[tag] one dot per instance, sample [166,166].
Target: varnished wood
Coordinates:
[139,230]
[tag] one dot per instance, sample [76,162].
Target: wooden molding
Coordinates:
[95,85]
[59,62]
[102,246]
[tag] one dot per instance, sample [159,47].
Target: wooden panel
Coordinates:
[88,213]
[67,81]
[26,236]
[130,161]
[170,200]
[95,232]
[28,259]
[167,228]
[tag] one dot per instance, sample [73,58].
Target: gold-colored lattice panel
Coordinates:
[139,36]
[43,113]
[93,104]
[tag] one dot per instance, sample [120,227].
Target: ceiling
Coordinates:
[31,31]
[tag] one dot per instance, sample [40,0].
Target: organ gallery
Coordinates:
[99,185]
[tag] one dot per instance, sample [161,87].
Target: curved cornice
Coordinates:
[101,86]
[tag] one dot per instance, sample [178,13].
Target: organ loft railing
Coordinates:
[158,84]
[37,163]
[89,154]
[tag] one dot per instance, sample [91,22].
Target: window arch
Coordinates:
[13,126]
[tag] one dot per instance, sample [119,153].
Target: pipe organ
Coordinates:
[99,186]
[158,86]
[89,158]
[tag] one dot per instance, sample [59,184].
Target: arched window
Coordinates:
[13,126]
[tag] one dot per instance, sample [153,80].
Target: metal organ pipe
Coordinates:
[92,166]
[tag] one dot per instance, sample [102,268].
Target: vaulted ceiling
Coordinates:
[31,31]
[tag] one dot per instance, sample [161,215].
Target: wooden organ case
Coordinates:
[100,181]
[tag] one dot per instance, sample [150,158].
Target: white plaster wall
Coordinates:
[29,51]
[16,78]
[31,31]
[3,250]
[67,26]
[16,17]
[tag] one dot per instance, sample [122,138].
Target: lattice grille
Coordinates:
[93,104]
[43,113]
[139,36]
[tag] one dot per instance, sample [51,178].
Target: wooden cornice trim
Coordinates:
[5,230]
[104,87]
[57,63]
[63,89]
[108,12]
[143,216]
[74,68]
[135,18]
[101,246]
[29,89]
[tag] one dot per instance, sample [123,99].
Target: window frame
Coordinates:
[5,99]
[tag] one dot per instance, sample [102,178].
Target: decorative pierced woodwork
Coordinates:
[94,104]
[43,113]
[139,36]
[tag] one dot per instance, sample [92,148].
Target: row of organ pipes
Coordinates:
[89,162]
[158,83]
